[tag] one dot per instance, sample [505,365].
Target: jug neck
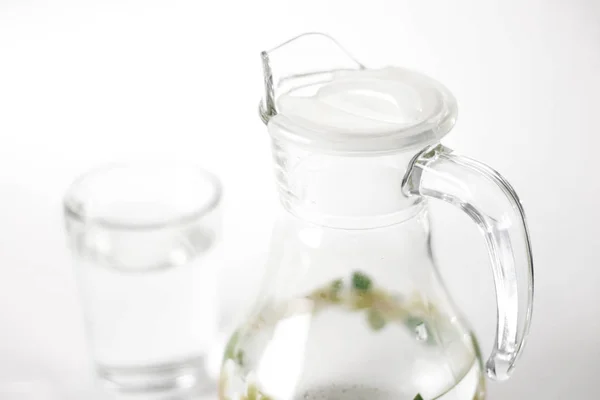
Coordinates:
[344,190]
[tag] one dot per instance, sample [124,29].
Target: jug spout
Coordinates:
[308,56]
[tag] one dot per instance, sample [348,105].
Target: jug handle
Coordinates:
[485,196]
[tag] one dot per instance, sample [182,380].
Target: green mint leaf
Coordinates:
[231,345]
[376,320]
[240,357]
[252,392]
[361,282]
[335,289]
[336,285]
[418,397]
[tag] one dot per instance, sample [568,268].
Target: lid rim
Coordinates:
[439,121]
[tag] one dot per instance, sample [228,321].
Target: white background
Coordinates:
[83,83]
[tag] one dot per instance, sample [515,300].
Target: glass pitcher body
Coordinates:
[352,305]
[353,313]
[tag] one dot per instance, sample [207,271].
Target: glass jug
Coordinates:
[352,306]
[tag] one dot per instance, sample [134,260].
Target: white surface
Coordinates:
[85,82]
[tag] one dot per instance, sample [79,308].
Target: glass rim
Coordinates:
[183,218]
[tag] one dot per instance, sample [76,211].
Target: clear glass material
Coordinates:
[352,305]
[140,236]
[491,202]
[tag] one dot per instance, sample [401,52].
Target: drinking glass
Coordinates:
[140,236]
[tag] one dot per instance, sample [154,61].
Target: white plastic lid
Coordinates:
[363,110]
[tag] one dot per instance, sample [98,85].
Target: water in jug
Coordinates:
[352,306]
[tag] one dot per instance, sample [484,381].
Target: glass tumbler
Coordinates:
[140,235]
